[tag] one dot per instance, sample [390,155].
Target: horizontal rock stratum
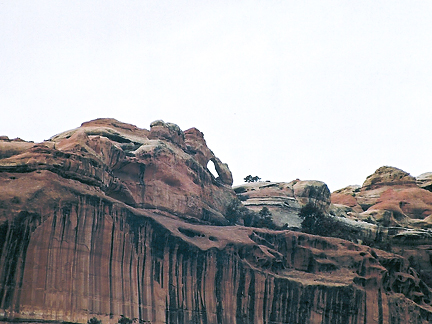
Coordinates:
[110,220]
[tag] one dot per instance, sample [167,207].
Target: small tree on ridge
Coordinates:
[249,178]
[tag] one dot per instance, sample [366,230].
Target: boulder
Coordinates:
[312,192]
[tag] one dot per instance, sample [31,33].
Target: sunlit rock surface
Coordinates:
[109,220]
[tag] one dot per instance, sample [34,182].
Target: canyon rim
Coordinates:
[110,220]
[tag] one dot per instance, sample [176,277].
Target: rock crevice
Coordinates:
[111,220]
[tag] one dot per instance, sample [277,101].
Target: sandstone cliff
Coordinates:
[109,220]
[399,207]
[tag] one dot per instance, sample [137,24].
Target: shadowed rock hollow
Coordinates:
[110,219]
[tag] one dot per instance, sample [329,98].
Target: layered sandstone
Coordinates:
[91,256]
[424,181]
[390,197]
[109,220]
[285,199]
[163,168]
[399,208]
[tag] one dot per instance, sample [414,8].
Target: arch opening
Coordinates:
[212,168]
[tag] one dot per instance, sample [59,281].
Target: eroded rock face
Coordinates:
[346,197]
[391,197]
[89,255]
[386,175]
[109,220]
[285,200]
[313,192]
[424,181]
[145,169]
[400,208]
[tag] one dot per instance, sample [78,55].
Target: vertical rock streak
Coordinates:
[95,258]
[73,244]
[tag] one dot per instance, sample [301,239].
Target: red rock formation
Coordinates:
[346,197]
[390,195]
[136,166]
[99,222]
[397,202]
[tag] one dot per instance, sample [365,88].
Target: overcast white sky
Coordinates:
[325,90]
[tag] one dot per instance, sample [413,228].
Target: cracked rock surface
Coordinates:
[109,219]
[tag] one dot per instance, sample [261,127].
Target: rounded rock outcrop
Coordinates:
[312,192]
[167,131]
[387,175]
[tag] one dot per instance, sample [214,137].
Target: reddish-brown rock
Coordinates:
[402,208]
[136,166]
[346,197]
[386,175]
[109,220]
[388,190]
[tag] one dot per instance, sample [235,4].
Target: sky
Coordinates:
[315,90]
